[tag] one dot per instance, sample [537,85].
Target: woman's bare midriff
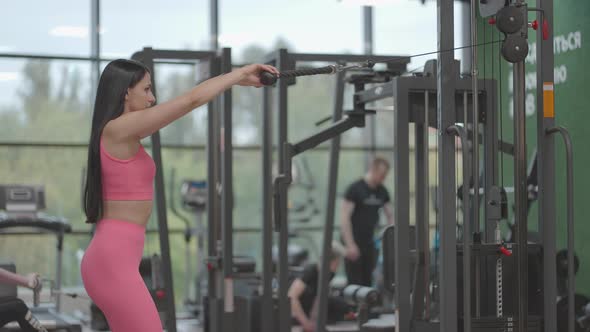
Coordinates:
[137,212]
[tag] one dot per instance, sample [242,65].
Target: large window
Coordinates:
[128,26]
[45,101]
[306,26]
[42,27]
[407,28]
[172,80]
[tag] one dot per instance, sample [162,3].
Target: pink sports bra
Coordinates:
[127,179]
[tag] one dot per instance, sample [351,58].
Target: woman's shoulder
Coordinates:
[117,145]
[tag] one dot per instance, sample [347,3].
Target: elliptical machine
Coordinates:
[193,195]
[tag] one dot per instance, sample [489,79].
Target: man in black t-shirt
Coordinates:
[303,293]
[359,216]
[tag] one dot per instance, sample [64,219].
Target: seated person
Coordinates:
[303,293]
[15,310]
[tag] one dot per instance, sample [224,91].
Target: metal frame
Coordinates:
[287,61]
[571,281]
[448,83]
[405,112]
[267,306]
[356,118]
[422,273]
[214,285]
[228,323]
[214,24]
[411,96]
[467,245]
[281,224]
[148,56]
[331,203]
[446,217]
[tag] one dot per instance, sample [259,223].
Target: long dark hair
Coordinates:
[118,76]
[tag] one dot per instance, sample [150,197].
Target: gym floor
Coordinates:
[80,308]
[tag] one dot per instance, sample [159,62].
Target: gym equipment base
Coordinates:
[51,320]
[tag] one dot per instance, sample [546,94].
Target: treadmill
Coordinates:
[20,207]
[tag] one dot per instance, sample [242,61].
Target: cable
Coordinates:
[485,26]
[442,51]
[268,78]
[493,72]
[501,120]
[459,159]
[436,226]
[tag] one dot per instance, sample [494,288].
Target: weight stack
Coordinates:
[488,320]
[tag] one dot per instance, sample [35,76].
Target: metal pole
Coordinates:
[200,263]
[466,228]
[281,109]
[214,24]
[227,199]
[520,192]
[267,320]
[475,147]
[368,30]
[571,278]
[546,164]
[213,218]
[368,50]
[421,277]
[188,269]
[446,167]
[571,285]
[95,42]
[161,210]
[426,185]
[59,269]
[324,280]
[466,55]
[492,271]
[401,171]
[490,145]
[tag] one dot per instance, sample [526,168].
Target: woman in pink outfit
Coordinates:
[119,186]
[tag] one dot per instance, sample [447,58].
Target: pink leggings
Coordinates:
[110,272]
